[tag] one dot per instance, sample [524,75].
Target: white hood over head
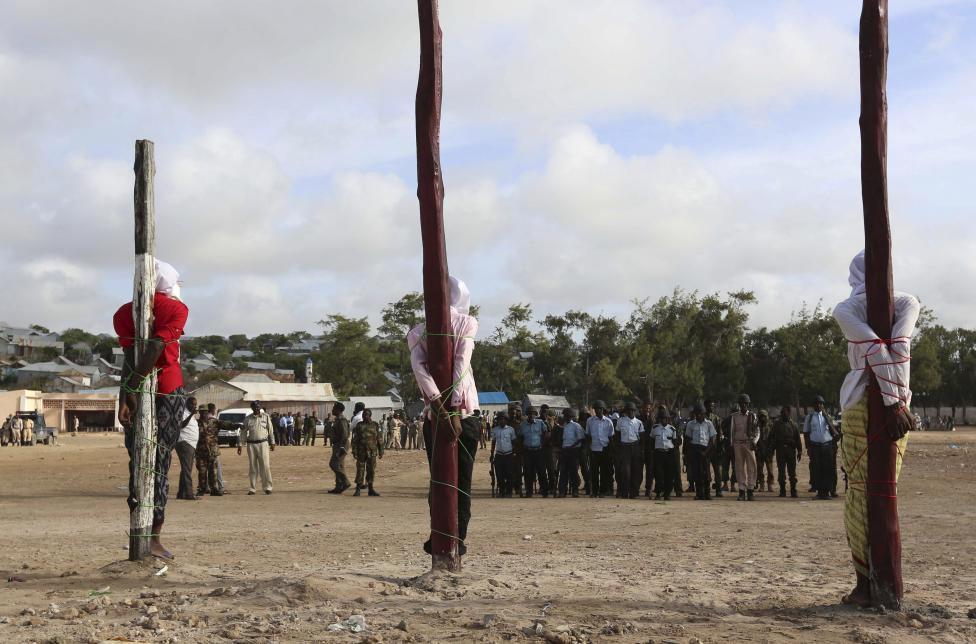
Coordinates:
[460,296]
[856,279]
[167,279]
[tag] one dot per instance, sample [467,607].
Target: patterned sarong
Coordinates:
[854,451]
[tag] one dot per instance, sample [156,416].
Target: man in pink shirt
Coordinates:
[457,404]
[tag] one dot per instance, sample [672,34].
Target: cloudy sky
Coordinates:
[594,152]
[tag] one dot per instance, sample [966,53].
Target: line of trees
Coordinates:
[682,348]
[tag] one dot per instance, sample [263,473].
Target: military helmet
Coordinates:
[599,405]
[763,412]
[698,408]
[820,399]
[744,398]
[630,406]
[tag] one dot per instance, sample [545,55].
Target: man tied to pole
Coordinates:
[455,407]
[887,360]
[162,354]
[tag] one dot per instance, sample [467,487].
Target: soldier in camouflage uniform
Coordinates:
[785,442]
[764,453]
[717,456]
[208,451]
[340,438]
[367,445]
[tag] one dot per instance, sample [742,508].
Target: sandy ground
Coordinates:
[285,567]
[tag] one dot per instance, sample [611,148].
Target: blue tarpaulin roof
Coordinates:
[492,398]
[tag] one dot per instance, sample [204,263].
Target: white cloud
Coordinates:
[286,186]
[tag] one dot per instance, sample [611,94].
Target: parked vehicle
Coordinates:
[231,436]
[42,433]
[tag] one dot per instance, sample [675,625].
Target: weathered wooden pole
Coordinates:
[430,192]
[884,535]
[143,295]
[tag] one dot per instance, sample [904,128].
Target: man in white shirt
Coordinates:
[357,415]
[503,454]
[700,436]
[662,436]
[572,436]
[186,450]
[821,441]
[628,453]
[600,430]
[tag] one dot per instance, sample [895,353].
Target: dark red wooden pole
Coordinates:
[884,535]
[430,192]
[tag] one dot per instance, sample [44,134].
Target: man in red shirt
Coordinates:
[162,355]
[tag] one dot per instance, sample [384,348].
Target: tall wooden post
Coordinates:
[884,535]
[430,192]
[143,294]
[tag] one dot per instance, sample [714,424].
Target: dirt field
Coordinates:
[285,567]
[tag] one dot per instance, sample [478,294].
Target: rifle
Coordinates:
[491,473]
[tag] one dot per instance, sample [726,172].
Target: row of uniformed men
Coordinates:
[17,431]
[548,455]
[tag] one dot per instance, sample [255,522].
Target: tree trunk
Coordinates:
[143,294]
[884,536]
[430,192]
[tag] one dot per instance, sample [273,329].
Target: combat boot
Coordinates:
[793,493]
[373,492]
[742,495]
[749,495]
[356,493]
[782,490]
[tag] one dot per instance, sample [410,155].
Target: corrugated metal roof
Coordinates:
[374,402]
[493,398]
[271,391]
[250,377]
[282,391]
[554,402]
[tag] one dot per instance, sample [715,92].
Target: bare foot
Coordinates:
[156,549]
[858,597]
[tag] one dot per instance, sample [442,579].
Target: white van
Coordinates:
[231,436]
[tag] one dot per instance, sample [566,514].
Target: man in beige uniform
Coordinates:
[745,433]
[16,427]
[28,436]
[258,432]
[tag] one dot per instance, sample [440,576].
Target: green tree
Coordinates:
[349,357]
[397,320]
[498,361]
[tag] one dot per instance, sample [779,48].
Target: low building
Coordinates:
[17,342]
[274,396]
[301,347]
[556,403]
[492,401]
[95,410]
[60,367]
[379,405]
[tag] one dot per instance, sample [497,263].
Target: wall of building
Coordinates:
[19,400]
